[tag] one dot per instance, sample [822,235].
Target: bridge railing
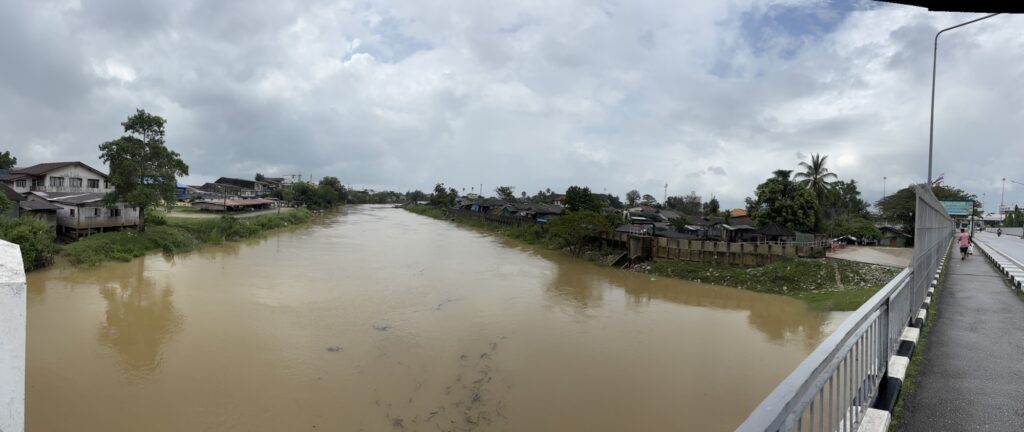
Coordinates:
[834,386]
[12,338]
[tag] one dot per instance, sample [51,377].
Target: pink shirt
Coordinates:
[965,239]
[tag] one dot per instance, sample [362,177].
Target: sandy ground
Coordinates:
[896,257]
[204,215]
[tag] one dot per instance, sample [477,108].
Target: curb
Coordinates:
[1009,267]
[879,415]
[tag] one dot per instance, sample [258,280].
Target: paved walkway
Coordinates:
[972,374]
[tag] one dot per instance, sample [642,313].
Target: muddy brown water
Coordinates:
[381,320]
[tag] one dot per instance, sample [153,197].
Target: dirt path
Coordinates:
[895,257]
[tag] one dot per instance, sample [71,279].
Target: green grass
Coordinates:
[179,235]
[811,280]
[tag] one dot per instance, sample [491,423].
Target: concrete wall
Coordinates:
[12,339]
[68,173]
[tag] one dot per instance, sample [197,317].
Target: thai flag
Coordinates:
[938,181]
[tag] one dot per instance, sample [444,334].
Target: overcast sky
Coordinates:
[709,96]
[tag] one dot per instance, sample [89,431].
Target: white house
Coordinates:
[57,177]
[86,212]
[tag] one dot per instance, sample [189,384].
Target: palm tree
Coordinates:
[816,177]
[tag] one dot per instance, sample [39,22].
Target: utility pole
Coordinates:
[664,197]
[1001,196]
[883,185]
[935,58]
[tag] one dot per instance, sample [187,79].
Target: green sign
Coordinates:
[958,208]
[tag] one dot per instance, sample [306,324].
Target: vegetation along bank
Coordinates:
[825,284]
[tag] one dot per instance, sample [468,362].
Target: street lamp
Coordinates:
[935,57]
[883,185]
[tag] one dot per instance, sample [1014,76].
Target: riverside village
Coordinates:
[754,216]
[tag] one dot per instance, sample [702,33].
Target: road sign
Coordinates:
[958,208]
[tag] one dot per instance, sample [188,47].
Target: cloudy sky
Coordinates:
[709,96]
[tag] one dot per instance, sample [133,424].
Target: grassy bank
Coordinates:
[824,284]
[176,235]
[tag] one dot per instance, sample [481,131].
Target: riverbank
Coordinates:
[824,284]
[171,235]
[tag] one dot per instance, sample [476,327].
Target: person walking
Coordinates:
[965,242]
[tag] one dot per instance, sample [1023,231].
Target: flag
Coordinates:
[939,179]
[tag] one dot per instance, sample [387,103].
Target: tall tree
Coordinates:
[632,197]
[711,207]
[779,200]
[506,193]
[142,169]
[259,177]
[816,176]
[7,161]
[649,200]
[688,204]
[899,207]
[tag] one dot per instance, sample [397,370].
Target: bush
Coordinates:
[157,219]
[36,239]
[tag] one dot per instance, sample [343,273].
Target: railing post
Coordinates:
[12,339]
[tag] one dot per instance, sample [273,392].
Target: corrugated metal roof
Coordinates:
[37,205]
[238,202]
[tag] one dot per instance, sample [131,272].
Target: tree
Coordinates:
[581,199]
[573,229]
[5,205]
[259,177]
[7,161]
[899,207]
[442,197]
[506,193]
[142,169]
[649,200]
[816,177]
[609,200]
[632,197]
[844,200]
[711,207]
[36,238]
[680,223]
[332,182]
[415,196]
[688,204]
[858,227]
[779,200]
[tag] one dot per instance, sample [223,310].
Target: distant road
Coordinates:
[1007,244]
[205,215]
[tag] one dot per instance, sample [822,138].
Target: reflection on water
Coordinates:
[140,317]
[378,319]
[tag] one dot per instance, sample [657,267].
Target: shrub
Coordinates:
[36,239]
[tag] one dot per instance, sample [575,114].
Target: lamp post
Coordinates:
[1002,195]
[883,185]
[935,57]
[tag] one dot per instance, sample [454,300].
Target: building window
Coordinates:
[75,182]
[106,184]
[115,212]
[56,181]
[72,212]
[20,183]
[96,212]
[94,184]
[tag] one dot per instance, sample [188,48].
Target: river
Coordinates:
[377,319]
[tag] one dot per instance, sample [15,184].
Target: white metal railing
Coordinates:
[834,386]
[12,339]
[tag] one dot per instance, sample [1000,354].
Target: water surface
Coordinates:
[380,320]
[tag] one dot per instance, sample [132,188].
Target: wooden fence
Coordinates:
[717,252]
[493,218]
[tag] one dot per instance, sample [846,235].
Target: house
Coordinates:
[740,215]
[776,233]
[558,200]
[86,212]
[21,207]
[246,188]
[75,177]
[541,213]
[485,205]
[894,237]
[235,204]
[180,191]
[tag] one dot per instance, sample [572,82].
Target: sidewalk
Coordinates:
[972,373]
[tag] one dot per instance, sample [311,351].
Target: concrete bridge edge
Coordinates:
[12,338]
